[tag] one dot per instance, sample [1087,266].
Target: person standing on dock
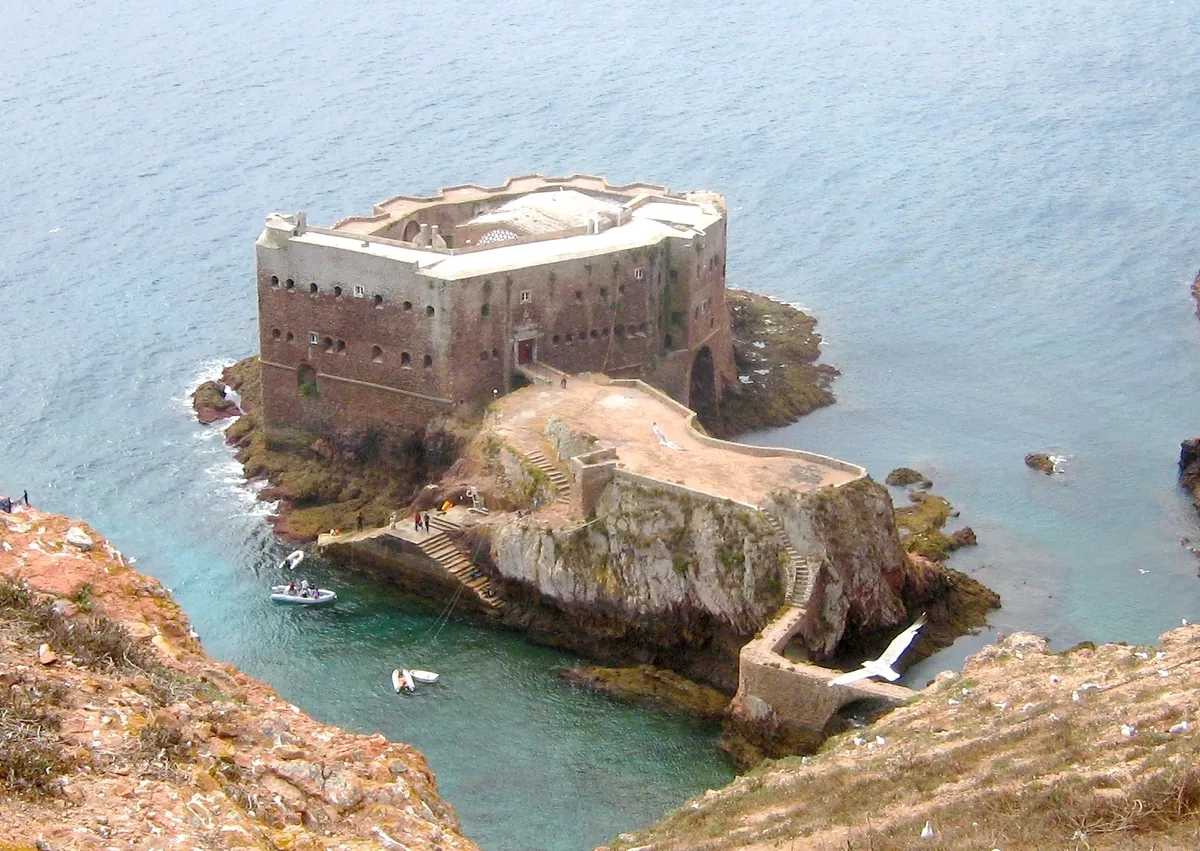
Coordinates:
[417,522]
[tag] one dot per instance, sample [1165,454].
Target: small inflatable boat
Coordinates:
[302,596]
[292,560]
[403,681]
[424,676]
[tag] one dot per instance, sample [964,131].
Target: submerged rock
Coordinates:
[650,685]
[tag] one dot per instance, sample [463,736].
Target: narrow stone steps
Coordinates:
[442,549]
[801,570]
[556,476]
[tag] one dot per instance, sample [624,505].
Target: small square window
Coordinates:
[313,339]
[360,291]
[639,274]
[526,296]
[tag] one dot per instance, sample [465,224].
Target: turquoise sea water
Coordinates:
[990,208]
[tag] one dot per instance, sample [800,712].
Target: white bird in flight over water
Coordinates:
[882,667]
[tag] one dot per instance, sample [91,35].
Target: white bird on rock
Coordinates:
[882,667]
[927,830]
[1181,727]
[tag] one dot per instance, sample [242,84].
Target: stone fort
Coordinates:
[434,304]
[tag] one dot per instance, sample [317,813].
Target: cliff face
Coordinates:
[117,730]
[852,529]
[1024,750]
[659,577]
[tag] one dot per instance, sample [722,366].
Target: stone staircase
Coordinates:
[442,548]
[557,477]
[801,570]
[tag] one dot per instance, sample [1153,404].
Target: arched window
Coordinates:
[328,343]
[483,355]
[376,354]
[668,343]
[555,339]
[291,285]
[276,334]
[306,380]
[408,305]
[429,310]
[274,280]
[595,335]
[312,288]
[337,292]
[405,358]
[485,310]
[378,300]
[290,336]
[341,345]
[495,354]
[570,338]
[427,361]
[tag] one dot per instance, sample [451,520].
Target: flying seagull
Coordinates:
[882,667]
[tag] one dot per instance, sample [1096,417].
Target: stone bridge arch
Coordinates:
[702,384]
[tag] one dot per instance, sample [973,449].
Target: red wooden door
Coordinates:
[524,351]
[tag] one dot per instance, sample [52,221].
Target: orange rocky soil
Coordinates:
[118,731]
[1093,748]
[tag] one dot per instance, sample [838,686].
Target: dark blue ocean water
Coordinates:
[991,208]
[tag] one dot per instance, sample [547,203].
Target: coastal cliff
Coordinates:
[1025,750]
[117,730]
[657,577]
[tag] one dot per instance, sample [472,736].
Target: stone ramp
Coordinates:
[540,373]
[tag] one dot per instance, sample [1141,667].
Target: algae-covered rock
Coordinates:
[775,349]
[210,403]
[1040,461]
[905,476]
[650,685]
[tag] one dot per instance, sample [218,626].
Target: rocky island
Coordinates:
[117,730]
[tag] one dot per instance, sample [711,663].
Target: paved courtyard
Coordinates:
[625,418]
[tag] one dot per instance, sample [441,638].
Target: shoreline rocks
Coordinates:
[902,477]
[648,685]
[1040,461]
[211,405]
[117,728]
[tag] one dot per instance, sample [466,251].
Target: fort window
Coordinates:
[337,292]
[673,275]
[621,289]
[313,338]
[570,338]
[595,335]
[526,296]
[495,354]
[604,292]
[275,334]
[676,317]
[579,296]
[639,274]
[483,355]
[555,339]
[329,344]
[668,343]
[408,305]
[312,288]
[291,285]
[604,333]
[377,355]
[642,329]
[429,310]
[341,345]
[289,337]
[485,310]
[712,322]
[378,299]
[360,291]
[274,280]
[427,361]
[620,332]
[411,230]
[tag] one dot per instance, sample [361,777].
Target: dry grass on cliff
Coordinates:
[1003,756]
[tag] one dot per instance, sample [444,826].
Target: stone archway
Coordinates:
[410,231]
[702,386]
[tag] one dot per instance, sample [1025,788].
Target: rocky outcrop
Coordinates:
[118,731]
[1040,461]
[904,476]
[658,577]
[776,348]
[1189,468]
[211,405]
[1026,749]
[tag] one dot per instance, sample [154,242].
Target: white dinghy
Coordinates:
[424,676]
[292,560]
[402,681]
[302,596]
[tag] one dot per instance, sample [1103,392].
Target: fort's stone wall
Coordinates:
[386,343]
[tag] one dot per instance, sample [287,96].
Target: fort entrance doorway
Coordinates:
[525,351]
[702,387]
